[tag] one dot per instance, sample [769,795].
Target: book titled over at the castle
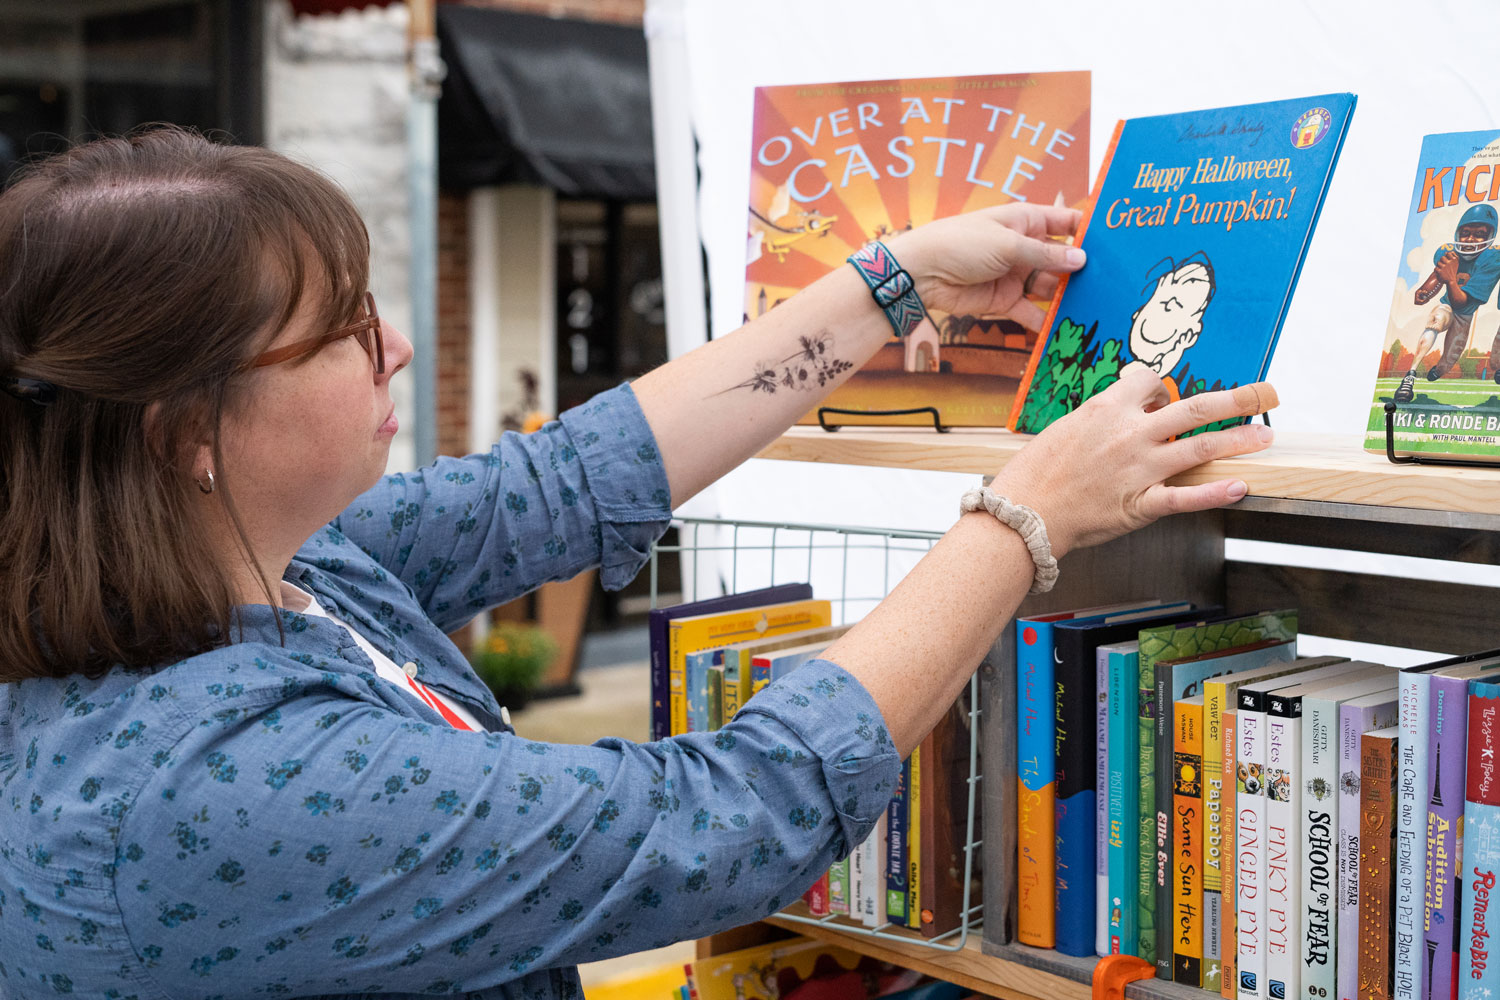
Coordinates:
[1440,358]
[833,166]
[1197,232]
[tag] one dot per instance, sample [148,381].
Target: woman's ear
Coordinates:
[177,438]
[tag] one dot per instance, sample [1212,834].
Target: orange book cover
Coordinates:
[836,165]
[1187,841]
[1040,344]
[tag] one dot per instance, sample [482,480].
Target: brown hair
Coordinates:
[134,271]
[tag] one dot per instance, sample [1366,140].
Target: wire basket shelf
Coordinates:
[854,568]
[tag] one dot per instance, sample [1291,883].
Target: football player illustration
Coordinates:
[1171,319]
[1466,272]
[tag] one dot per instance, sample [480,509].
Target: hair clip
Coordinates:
[32,390]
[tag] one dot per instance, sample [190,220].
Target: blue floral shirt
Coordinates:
[271,819]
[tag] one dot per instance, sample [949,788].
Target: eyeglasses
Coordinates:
[366,331]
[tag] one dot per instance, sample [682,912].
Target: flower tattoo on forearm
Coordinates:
[812,367]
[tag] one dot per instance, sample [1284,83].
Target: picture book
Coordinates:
[1357,717]
[836,165]
[1377,842]
[1320,828]
[1075,668]
[1197,230]
[1161,688]
[1478,976]
[1440,356]
[656,627]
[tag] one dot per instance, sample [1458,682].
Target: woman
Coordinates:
[238,756]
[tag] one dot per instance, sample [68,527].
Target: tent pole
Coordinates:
[426,71]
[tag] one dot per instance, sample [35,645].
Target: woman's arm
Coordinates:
[1092,476]
[720,404]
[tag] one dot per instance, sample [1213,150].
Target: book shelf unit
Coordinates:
[1313,490]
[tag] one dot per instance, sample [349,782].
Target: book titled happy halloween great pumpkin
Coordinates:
[835,165]
[1196,235]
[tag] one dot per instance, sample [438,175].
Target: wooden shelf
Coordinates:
[1328,470]
[969,967]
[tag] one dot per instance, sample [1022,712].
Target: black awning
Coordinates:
[540,100]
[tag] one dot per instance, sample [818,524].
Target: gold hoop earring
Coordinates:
[209,488]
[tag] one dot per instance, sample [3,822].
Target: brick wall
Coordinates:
[453,243]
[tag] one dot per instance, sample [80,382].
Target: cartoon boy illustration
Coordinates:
[1171,319]
[1466,271]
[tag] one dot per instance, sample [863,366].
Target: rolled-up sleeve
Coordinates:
[465,534]
[394,856]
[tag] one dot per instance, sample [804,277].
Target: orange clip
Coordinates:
[1115,972]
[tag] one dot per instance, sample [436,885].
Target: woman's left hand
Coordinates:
[985,263]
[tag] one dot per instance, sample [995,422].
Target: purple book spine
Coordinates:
[1446,748]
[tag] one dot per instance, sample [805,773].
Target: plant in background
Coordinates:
[512,659]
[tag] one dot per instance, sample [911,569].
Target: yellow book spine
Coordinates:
[1228,984]
[1187,842]
[914,843]
[676,681]
[1215,695]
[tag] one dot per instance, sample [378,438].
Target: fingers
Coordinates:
[1028,253]
[1141,387]
[1042,284]
[1054,220]
[1209,407]
[1159,501]
[1027,313]
[1186,453]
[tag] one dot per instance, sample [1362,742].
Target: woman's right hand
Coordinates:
[1100,471]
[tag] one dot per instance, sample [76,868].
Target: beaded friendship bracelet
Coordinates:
[891,286]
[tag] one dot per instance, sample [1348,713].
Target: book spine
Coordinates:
[1214,693]
[1448,724]
[760,673]
[1352,723]
[715,684]
[1377,836]
[1283,851]
[734,691]
[875,897]
[1124,743]
[816,897]
[914,842]
[895,853]
[1035,762]
[695,691]
[1146,706]
[838,888]
[1479,977]
[1227,942]
[1166,902]
[1073,810]
[676,682]
[1101,805]
[1250,848]
[661,691]
[1411,836]
[1187,844]
[1320,718]
[857,881]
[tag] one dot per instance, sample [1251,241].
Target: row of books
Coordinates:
[1296,824]
[803,969]
[709,658]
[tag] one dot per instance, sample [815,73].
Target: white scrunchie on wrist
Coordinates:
[1027,523]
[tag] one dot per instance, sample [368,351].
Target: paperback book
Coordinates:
[835,165]
[1198,228]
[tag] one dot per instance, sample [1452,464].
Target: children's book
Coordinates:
[736,659]
[1121,662]
[1185,642]
[944,806]
[1187,841]
[1357,717]
[662,694]
[897,852]
[1478,974]
[1410,874]
[1075,671]
[796,967]
[1377,843]
[1101,805]
[1228,988]
[1197,231]
[1440,356]
[836,165]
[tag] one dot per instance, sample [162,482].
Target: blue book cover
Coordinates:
[1198,229]
[1439,359]
[896,854]
[1478,976]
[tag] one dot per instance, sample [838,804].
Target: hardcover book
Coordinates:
[1228,985]
[1195,238]
[1187,841]
[1196,642]
[1122,663]
[1478,976]
[1440,356]
[1377,845]
[1411,837]
[836,165]
[656,626]
[1357,717]
[944,806]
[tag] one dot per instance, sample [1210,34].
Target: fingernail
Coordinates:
[1074,257]
[1237,490]
[1263,432]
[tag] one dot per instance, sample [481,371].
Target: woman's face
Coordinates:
[307,436]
